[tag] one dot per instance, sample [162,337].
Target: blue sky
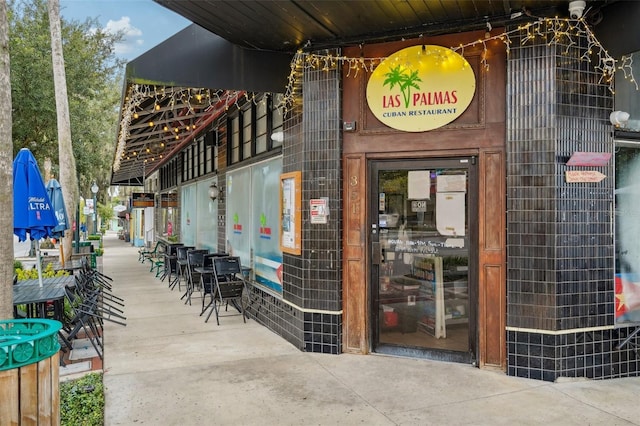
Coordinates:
[146,23]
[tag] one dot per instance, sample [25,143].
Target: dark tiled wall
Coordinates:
[591,354]
[560,244]
[321,249]
[276,315]
[312,286]
[560,272]
[221,167]
[308,331]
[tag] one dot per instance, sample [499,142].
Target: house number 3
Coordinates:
[354,180]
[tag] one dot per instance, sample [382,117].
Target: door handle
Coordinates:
[376,255]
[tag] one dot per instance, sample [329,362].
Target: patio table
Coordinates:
[36,298]
[69,265]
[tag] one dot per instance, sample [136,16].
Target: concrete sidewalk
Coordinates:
[167,367]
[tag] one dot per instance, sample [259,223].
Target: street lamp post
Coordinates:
[94,189]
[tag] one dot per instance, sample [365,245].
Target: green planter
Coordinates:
[29,371]
[27,341]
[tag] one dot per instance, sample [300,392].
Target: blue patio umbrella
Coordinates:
[54,190]
[57,203]
[32,211]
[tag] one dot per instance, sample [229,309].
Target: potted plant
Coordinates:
[95,240]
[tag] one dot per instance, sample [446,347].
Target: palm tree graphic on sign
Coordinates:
[405,78]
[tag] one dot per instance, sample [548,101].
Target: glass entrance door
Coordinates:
[422,273]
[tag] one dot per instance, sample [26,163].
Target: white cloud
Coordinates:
[131,40]
[124,25]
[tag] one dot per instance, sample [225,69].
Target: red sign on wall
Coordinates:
[589,159]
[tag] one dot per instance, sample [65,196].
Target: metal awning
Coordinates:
[182,85]
[246,45]
[287,25]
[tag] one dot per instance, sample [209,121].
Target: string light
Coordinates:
[554,31]
[626,66]
[173,99]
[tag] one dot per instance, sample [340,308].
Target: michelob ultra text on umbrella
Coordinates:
[38,204]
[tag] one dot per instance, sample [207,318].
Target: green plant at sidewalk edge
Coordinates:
[32,273]
[82,401]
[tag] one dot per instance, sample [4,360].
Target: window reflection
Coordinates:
[627,221]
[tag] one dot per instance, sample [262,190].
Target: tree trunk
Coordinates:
[66,160]
[6,172]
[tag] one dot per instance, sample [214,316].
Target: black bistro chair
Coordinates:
[171,263]
[181,266]
[195,260]
[207,282]
[229,287]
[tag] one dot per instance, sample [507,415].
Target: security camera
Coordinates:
[576,9]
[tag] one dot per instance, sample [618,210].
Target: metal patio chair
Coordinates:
[195,260]
[229,287]
[181,266]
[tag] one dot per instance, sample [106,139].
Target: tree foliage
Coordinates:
[92,71]
[105,211]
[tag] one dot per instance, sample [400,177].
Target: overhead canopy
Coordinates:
[287,25]
[181,86]
[195,57]
[247,45]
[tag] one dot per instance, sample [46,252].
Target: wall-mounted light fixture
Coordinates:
[277,136]
[214,192]
[619,118]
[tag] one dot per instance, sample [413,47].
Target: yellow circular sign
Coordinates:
[421,88]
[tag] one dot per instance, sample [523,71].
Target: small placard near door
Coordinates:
[418,206]
[318,209]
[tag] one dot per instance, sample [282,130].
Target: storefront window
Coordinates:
[201,157]
[252,220]
[267,262]
[627,97]
[188,222]
[168,220]
[238,210]
[252,127]
[277,118]
[168,204]
[261,126]
[206,217]
[627,220]
[235,140]
[247,135]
